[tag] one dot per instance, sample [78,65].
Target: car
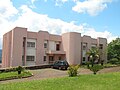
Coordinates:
[60,64]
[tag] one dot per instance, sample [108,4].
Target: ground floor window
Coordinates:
[83,58]
[51,58]
[30,58]
[59,58]
[44,58]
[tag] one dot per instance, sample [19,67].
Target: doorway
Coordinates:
[51,59]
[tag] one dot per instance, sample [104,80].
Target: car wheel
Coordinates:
[52,67]
[60,68]
[65,68]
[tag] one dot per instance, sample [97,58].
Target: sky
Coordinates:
[96,18]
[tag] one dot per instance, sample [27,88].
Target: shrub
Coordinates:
[114,61]
[19,69]
[88,64]
[102,62]
[73,70]
[96,68]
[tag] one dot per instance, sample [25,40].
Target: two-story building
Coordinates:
[22,47]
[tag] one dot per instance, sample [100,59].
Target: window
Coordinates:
[45,45]
[84,47]
[51,58]
[57,47]
[93,46]
[44,58]
[30,44]
[83,58]
[30,58]
[59,58]
[100,46]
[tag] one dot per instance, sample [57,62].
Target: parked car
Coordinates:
[60,64]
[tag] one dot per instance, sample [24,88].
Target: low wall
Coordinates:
[26,67]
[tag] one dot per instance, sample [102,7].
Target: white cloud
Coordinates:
[7,9]
[92,7]
[94,34]
[60,2]
[35,22]
[33,1]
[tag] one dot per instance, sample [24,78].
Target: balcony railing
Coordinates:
[55,52]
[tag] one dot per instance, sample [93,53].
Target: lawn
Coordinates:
[109,81]
[12,75]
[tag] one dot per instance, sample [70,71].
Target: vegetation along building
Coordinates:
[25,48]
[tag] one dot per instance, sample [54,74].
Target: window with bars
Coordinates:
[57,47]
[44,58]
[30,58]
[100,46]
[45,45]
[30,44]
[83,58]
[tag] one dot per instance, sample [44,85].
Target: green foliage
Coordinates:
[73,70]
[108,81]
[20,69]
[114,61]
[88,64]
[14,75]
[114,49]
[93,54]
[96,68]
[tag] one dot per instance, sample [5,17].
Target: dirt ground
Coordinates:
[54,73]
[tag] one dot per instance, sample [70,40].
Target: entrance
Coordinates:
[51,59]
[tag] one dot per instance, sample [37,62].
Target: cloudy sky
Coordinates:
[97,18]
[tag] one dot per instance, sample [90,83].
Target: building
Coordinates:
[22,47]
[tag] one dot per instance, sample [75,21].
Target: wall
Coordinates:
[72,46]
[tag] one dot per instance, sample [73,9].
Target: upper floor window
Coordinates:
[100,46]
[93,46]
[45,44]
[30,44]
[84,47]
[57,47]
[30,58]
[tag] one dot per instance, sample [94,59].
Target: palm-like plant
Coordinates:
[93,54]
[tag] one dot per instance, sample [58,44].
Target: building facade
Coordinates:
[25,48]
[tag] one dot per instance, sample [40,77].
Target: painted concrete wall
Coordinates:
[71,45]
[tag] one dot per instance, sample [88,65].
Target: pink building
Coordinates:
[22,47]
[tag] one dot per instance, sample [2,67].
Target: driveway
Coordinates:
[54,73]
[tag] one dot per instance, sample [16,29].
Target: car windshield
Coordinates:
[60,63]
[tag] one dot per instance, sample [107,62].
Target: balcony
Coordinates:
[55,52]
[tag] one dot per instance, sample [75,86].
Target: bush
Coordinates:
[114,61]
[102,62]
[73,70]
[96,68]
[88,64]
[19,69]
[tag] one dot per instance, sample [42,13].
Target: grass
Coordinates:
[110,65]
[110,81]
[13,75]
[107,65]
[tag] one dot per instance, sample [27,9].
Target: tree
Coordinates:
[93,55]
[114,49]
